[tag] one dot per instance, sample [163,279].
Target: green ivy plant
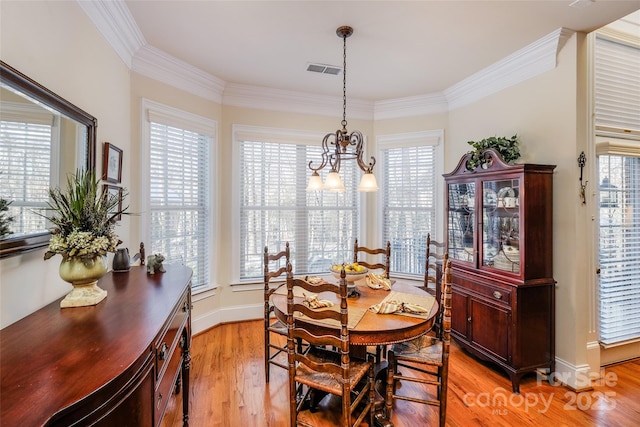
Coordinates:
[506,147]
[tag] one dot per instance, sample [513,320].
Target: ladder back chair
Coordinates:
[386,251]
[434,256]
[273,326]
[427,357]
[381,350]
[320,370]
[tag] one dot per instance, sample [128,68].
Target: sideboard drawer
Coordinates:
[169,341]
[166,383]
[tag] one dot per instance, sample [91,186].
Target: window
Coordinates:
[617,119]
[27,152]
[619,247]
[411,166]
[274,206]
[179,221]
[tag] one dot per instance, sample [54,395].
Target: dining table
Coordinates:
[368,328]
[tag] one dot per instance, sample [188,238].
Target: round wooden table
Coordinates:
[373,329]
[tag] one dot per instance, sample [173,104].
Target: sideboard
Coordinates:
[113,364]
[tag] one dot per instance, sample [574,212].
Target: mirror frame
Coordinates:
[15,79]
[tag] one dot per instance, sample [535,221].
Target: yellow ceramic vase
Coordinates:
[83,275]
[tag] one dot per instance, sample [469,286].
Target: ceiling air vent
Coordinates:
[324,69]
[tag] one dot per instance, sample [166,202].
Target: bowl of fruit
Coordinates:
[354,271]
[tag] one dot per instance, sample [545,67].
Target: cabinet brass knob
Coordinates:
[469,319]
[497,294]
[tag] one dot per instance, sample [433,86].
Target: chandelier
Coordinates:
[342,145]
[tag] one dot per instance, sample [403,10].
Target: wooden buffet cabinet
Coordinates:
[499,238]
[113,364]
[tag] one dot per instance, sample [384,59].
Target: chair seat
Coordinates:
[278,327]
[330,383]
[424,349]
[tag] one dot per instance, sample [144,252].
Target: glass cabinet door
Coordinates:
[461,221]
[500,246]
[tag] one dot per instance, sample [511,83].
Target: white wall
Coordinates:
[55,44]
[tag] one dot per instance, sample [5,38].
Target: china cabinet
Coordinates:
[499,238]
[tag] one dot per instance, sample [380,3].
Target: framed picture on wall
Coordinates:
[112,163]
[114,190]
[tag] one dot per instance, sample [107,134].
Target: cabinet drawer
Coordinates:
[166,384]
[169,341]
[491,292]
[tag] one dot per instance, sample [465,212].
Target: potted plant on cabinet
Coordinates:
[507,148]
[84,218]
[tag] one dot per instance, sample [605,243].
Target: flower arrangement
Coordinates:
[84,218]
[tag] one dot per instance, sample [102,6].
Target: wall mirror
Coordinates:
[43,138]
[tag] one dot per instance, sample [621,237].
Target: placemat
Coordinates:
[425,301]
[355,313]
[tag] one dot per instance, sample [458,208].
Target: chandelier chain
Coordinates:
[344,82]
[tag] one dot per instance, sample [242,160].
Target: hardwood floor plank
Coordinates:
[228,390]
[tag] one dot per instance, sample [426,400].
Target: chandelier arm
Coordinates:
[367,167]
[356,138]
[336,157]
[325,154]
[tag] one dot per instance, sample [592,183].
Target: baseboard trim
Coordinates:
[576,377]
[236,313]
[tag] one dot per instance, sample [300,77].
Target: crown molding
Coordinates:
[528,62]
[411,106]
[116,24]
[158,65]
[263,98]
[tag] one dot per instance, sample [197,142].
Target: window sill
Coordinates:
[203,293]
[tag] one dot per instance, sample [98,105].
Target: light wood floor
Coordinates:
[228,389]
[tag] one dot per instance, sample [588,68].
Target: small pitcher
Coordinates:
[121,260]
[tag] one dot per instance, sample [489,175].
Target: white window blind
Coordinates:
[275,208]
[619,248]
[409,207]
[617,85]
[179,197]
[25,171]
[617,113]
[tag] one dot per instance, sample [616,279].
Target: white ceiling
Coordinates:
[398,49]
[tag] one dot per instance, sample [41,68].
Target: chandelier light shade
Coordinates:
[342,145]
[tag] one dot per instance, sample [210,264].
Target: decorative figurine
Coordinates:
[142,256]
[154,263]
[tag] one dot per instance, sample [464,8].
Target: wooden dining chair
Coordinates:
[426,355]
[273,326]
[320,370]
[434,256]
[385,264]
[380,351]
